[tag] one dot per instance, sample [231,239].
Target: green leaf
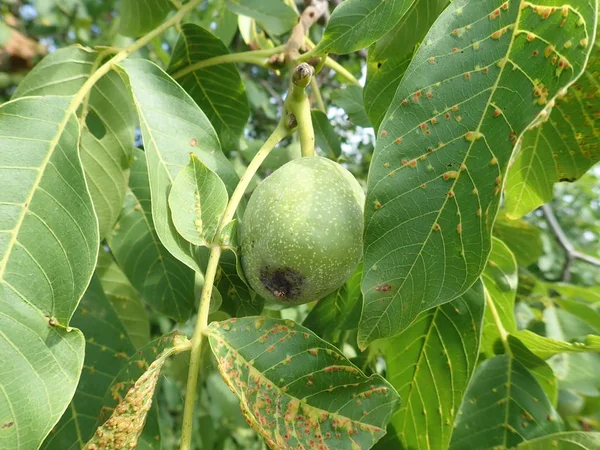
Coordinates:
[107,344]
[383,78]
[273,15]
[39,362]
[500,279]
[503,406]
[571,440]
[172,126]
[197,200]
[106,147]
[164,283]
[350,99]
[218,89]
[238,299]
[138,17]
[430,364]
[356,24]
[126,424]
[294,388]
[589,294]
[444,146]
[338,311]
[326,137]
[561,148]
[108,133]
[48,250]
[584,312]
[75,63]
[545,347]
[220,20]
[409,31]
[124,299]
[523,239]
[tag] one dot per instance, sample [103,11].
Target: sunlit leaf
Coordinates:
[217,89]
[444,147]
[108,130]
[561,148]
[430,364]
[545,347]
[572,440]
[172,126]
[137,17]
[273,15]
[296,389]
[163,281]
[48,250]
[503,406]
[500,279]
[197,200]
[356,24]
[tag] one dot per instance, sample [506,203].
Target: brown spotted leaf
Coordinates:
[297,390]
[562,147]
[124,427]
[483,74]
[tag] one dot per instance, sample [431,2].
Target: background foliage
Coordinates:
[447,117]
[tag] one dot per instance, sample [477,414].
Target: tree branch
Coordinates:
[572,254]
[309,16]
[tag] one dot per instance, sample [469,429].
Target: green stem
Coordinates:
[317,94]
[498,322]
[332,64]
[298,104]
[196,351]
[259,57]
[213,263]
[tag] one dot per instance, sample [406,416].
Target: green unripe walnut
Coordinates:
[302,231]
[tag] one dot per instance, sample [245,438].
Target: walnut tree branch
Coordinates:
[571,252]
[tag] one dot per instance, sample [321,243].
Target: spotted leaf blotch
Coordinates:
[482,75]
[297,390]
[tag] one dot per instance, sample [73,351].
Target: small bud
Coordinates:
[302,74]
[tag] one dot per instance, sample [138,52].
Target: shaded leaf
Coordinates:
[356,24]
[383,78]
[197,200]
[409,31]
[350,99]
[561,148]
[164,282]
[294,388]
[220,20]
[523,239]
[217,89]
[170,134]
[125,425]
[273,15]
[338,311]
[48,250]
[325,136]
[503,406]
[430,364]
[435,180]
[124,299]
[138,17]
[572,440]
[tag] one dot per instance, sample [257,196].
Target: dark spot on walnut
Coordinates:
[282,282]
